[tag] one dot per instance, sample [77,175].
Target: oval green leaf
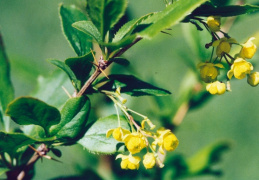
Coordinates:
[28,110]
[80,42]
[95,139]
[74,116]
[131,85]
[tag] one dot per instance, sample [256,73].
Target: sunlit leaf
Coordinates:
[172,15]
[95,139]
[88,28]
[129,27]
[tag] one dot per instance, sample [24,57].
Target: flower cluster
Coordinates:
[138,140]
[141,139]
[237,66]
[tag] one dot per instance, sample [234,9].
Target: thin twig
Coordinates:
[41,151]
[98,70]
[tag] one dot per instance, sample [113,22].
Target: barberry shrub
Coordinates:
[69,107]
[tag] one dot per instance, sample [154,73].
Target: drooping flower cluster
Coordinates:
[237,66]
[141,139]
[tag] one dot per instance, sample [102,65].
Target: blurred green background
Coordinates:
[32,33]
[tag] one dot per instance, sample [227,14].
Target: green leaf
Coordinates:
[206,157]
[88,28]
[121,61]
[116,46]
[172,15]
[69,72]
[131,85]
[6,87]
[74,116]
[95,139]
[81,66]
[220,2]
[10,142]
[3,170]
[53,83]
[129,27]
[105,13]
[27,110]
[225,11]
[80,42]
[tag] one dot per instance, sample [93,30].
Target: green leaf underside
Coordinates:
[105,13]
[121,61]
[69,72]
[172,15]
[80,42]
[95,139]
[88,28]
[50,89]
[208,156]
[131,85]
[129,27]
[225,11]
[27,111]
[74,116]
[81,66]
[6,88]
[10,142]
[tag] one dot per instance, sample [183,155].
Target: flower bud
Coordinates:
[149,160]
[209,71]
[253,79]
[223,45]
[248,49]
[216,88]
[117,133]
[213,23]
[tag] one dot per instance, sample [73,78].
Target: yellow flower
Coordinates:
[223,45]
[209,71]
[129,162]
[117,133]
[248,50]
[149,160]
[135,142]
[166,140]
[253,79]
[213,23]
[216,88]
[240,68]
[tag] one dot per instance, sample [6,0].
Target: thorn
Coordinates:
[66,91]
[96,64]
[94,56]
[51,158]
